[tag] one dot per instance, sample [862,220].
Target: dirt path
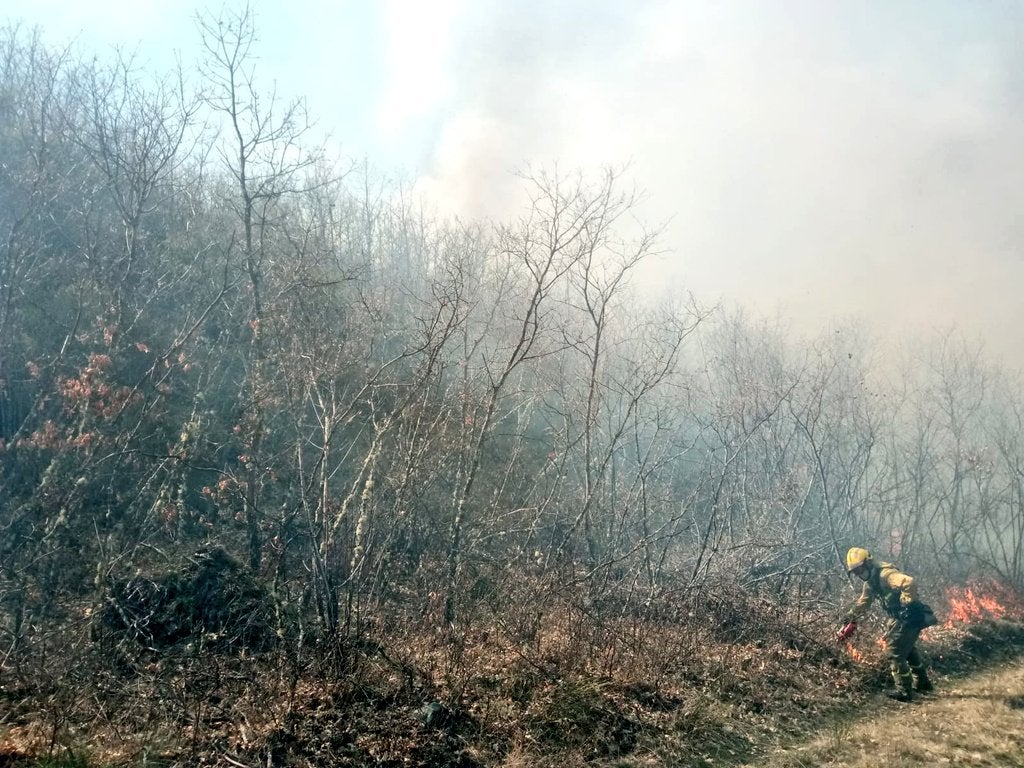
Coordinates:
[976,721]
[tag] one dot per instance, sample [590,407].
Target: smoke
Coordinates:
[821,161]
[810,159]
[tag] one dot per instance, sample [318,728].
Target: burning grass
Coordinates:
[981,600]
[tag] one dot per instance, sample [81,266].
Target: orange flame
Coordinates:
[980,601]
[854,653]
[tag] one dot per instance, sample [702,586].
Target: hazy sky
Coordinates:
[818,159]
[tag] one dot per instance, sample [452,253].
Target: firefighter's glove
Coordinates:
[848,629]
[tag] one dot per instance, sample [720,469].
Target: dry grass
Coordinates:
[712,685]
[969,722]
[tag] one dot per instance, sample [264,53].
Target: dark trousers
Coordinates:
[901,651]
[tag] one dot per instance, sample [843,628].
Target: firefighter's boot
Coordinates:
[922,683]
[904,685]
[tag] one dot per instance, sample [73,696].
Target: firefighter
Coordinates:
[897,594]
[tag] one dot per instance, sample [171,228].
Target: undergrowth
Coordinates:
[559,682]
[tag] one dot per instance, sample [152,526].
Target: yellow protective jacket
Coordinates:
[894,589]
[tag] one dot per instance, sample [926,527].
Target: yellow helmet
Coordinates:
[856,557]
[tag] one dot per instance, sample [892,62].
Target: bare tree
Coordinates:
[261,151]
